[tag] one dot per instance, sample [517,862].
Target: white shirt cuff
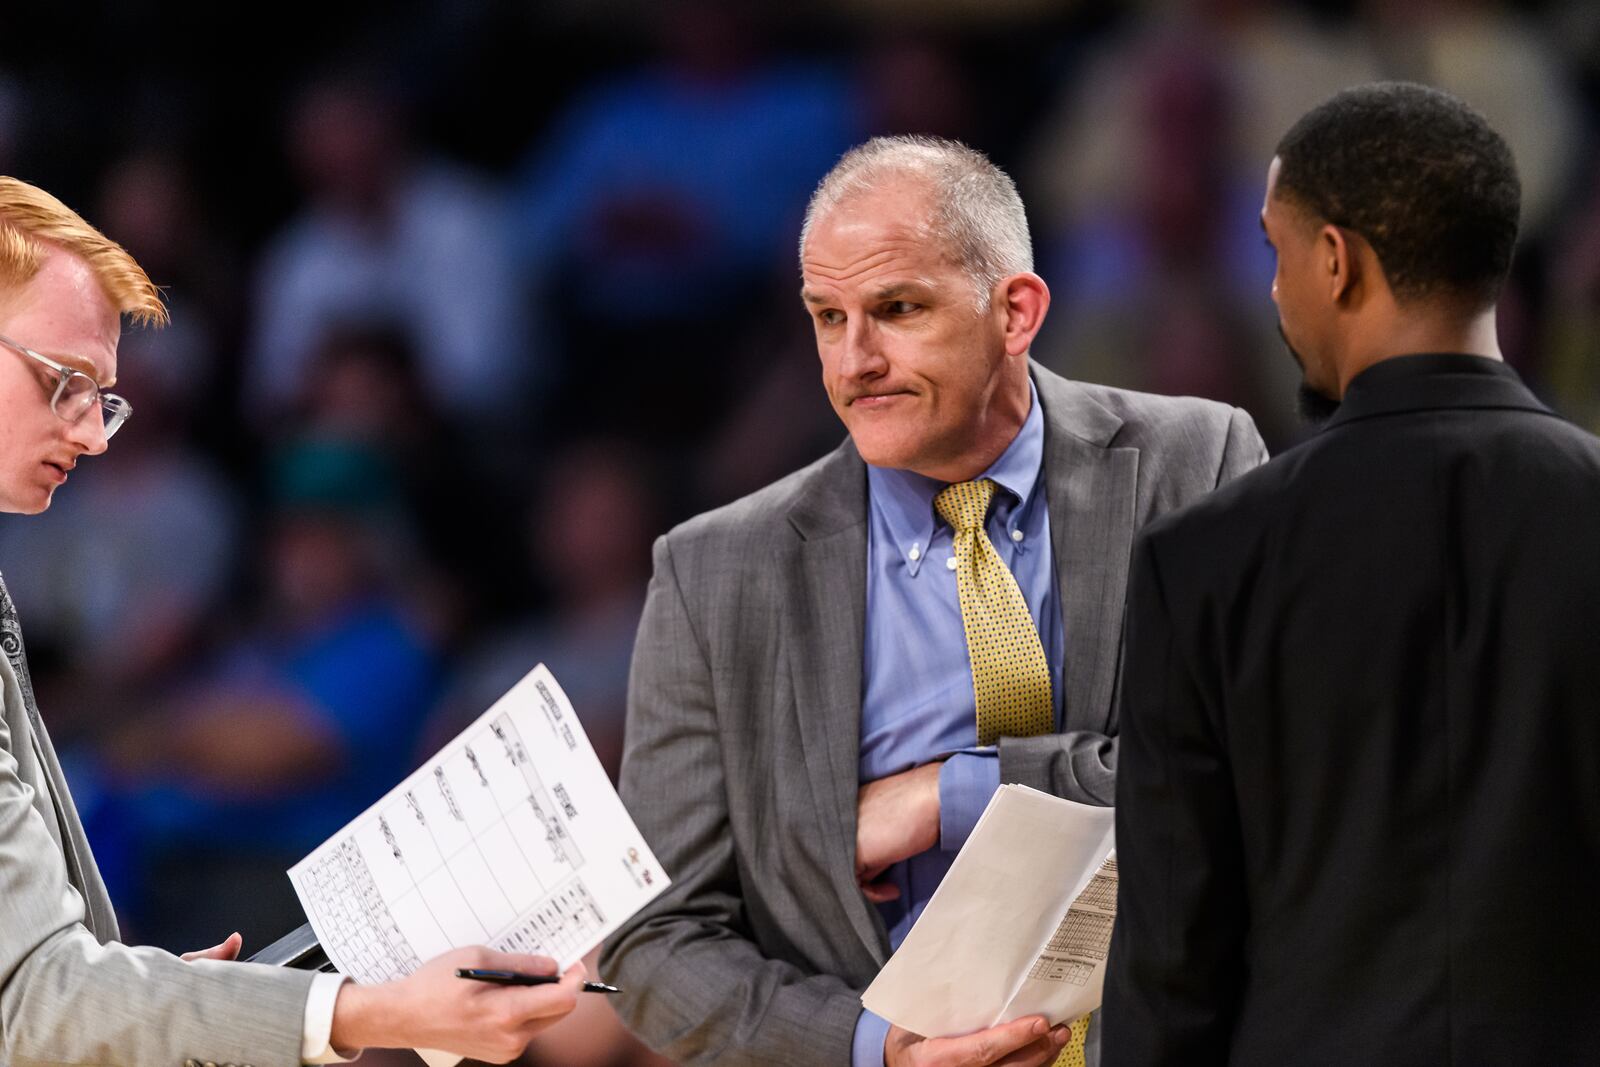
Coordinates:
[317,1032]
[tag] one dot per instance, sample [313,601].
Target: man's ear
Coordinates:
[1024,300]
[1341,258]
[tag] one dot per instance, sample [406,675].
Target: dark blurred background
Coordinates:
[473,298]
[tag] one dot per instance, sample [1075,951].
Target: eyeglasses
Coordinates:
[76,393]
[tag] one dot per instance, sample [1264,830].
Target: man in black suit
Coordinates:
[1359,792]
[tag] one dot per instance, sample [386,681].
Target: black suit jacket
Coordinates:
[1359,794]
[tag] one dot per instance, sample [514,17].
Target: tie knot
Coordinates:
[965,505]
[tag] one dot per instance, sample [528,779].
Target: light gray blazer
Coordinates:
[69,992]
[744,721]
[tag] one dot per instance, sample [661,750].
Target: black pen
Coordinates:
[478,974]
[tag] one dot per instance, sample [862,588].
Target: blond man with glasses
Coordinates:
[70,992]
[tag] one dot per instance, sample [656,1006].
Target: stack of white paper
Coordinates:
[1020,925]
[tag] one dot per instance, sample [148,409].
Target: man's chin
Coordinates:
[882,443]
[1315,406]
[32,502]
[877,456]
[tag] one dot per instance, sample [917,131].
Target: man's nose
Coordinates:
[89,432]
[863,350]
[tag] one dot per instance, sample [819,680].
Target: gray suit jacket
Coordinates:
[69,992]
[744,721]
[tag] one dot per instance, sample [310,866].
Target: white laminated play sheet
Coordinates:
[511,836]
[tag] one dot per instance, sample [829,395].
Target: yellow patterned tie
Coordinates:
[1010,675]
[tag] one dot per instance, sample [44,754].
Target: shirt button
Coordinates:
[915,553]
[950,563]
[1016,535]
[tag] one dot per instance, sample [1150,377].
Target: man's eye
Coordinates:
[900,307]
[830,318]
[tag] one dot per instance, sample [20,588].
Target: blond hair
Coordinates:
[31,220]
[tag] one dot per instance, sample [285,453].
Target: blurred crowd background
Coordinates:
[473,298]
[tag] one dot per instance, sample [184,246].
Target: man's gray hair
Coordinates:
[977,211]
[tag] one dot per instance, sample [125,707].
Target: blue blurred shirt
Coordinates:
[917,700]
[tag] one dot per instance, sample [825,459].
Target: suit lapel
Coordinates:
[829,593]
[1091,489]
[82,872]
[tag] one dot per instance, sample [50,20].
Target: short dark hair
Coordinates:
[1421,176]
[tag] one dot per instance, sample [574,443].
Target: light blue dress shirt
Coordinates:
[917,701]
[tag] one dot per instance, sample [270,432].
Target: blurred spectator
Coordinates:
[1148,177]
[1571,363]
[589,530]
[364,386]
[782,420]
[1502,63]
[917,85]
[390,235]
[1266,60]
[1161,283]
[306,715]
[660,204]
[148,203]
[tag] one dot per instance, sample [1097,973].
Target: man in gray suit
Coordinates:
[807,745]
[69,992]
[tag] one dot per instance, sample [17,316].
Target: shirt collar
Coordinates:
[1432,381]
[905,498]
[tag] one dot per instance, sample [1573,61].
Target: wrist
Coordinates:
[895,1043]
[931,801]
[361,1018]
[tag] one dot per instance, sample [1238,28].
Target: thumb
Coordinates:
[228,950]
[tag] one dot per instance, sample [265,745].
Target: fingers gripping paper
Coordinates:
[511,836]
[1020,924]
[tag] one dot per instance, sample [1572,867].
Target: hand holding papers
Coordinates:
[1020,925]
[510,837]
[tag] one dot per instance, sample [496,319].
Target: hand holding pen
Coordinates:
[432,1008]
[481,974]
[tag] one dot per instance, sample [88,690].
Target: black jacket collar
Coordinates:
[1433,381]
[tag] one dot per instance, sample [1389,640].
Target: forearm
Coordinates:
[75,1001]
[1080,765]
